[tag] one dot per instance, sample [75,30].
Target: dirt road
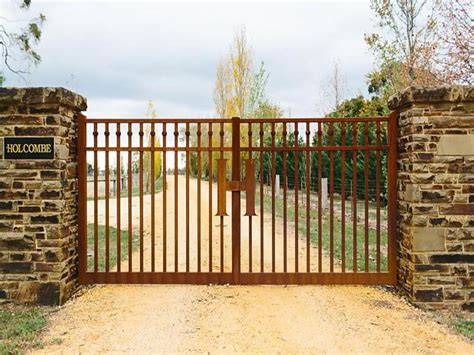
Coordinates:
[164,318]
[193,232]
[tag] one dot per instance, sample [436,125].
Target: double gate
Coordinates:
[237,201]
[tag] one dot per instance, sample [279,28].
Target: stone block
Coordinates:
[468,306]
[456,145]
[45,219]
[452,258]
[412,193]
[16,267]
[429,294]
[457,209]
[435,196]
[428,239]
[454,294]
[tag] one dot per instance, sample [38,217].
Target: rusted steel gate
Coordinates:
[319,197]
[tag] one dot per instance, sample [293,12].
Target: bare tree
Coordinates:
[333,89]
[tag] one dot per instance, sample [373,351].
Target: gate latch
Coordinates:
[247,185]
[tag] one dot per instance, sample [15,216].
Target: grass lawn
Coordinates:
[20,327]
[464,327]
[112,246]
[325,231]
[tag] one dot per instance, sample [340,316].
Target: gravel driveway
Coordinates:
[175,318]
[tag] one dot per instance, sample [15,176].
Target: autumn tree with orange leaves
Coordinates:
[420,42]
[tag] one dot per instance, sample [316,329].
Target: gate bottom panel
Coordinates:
[317,278]
[197,278]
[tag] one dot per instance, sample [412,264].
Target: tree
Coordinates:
[403,46]
[234,79]
[455,37]
[333,89]
[291,158]
[332,134]
[239,90]
[152,141]
[20,44]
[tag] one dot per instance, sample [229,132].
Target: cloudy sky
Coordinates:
[120,54]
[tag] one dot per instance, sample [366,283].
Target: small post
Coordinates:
[114,186]
[324,193]
[277,185]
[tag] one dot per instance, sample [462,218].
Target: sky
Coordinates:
[121,54]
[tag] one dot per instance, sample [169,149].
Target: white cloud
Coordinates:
[121,54]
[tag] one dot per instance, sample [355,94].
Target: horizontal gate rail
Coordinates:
[246,120]
[229,149]
[325,200]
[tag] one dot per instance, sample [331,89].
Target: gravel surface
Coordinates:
[324,319]
[170,318]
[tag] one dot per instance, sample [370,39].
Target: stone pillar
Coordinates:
[436,195]
[38,198]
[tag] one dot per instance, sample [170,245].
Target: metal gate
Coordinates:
[319,198]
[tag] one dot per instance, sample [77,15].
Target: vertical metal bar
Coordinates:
[152,182]
[107,187]
[354,198]
[130,187]
[199,197]
[221,187]
[273,194]
[165,199]
[285,203]
[392,196]
[320,204]
[176,249]
[343,198]
[366,214]
[96,212]
[262,204]
[210,195]
[141,196]
[308,200]
[250,133]
[236,200]
[187,196]
[331,198]
[296,183]
[119,200]
[82,195]
[249,186]
[221,224]
[377,196]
